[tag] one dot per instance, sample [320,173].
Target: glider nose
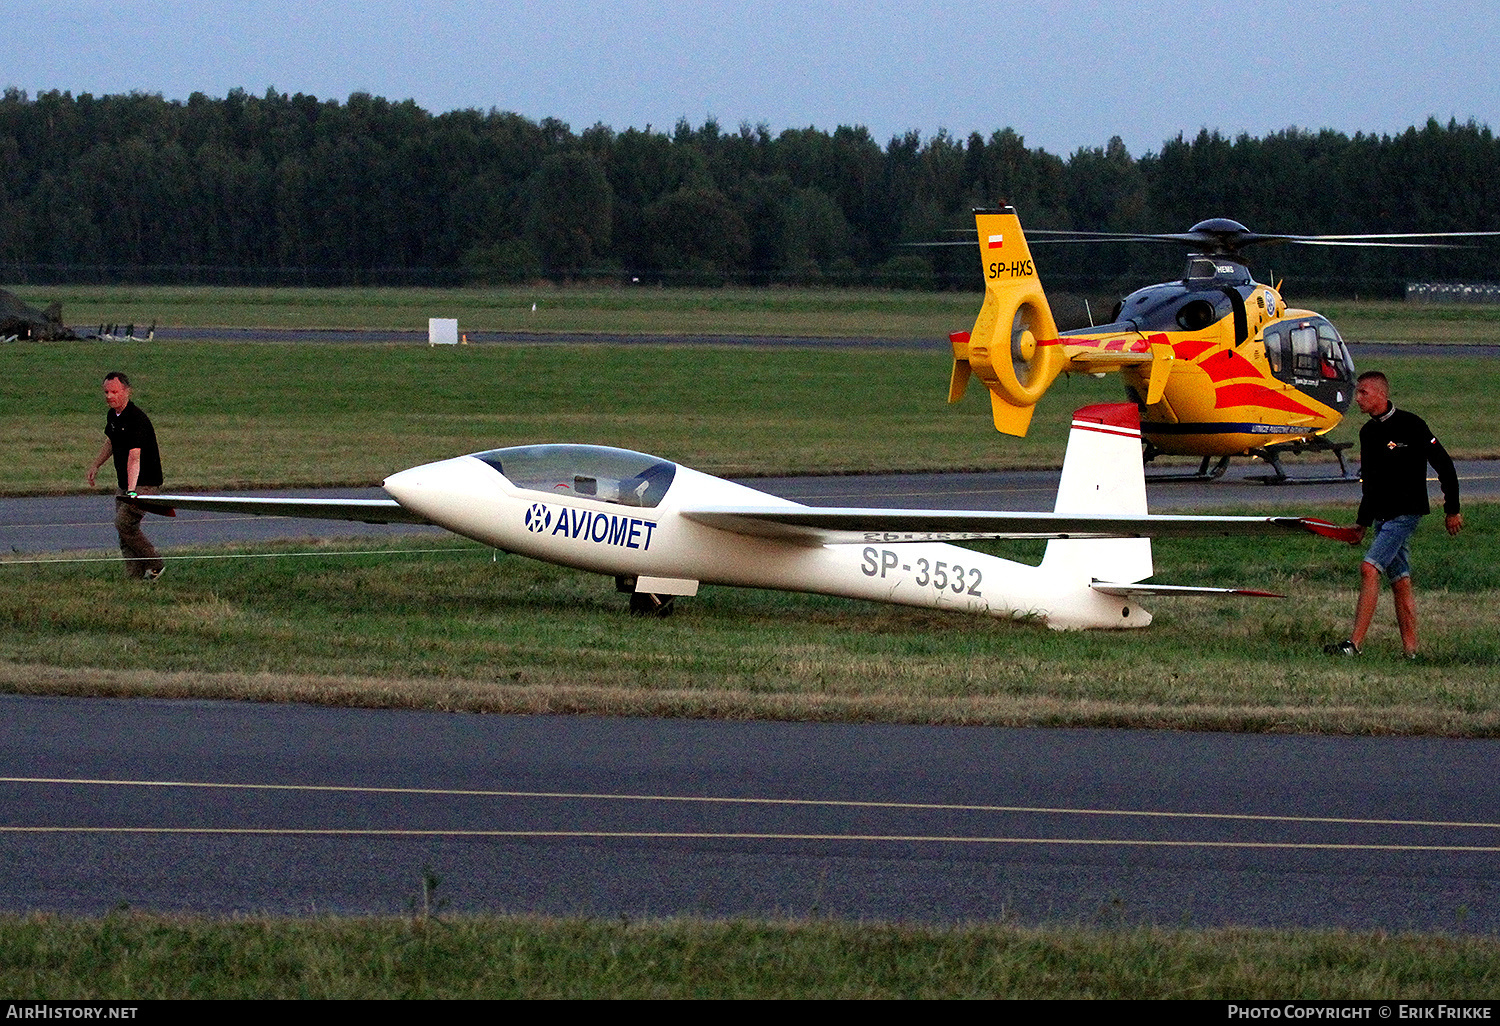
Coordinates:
[445,491]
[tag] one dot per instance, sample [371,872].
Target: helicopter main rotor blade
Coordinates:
[1374,245]
[1223,237]
[1398,235]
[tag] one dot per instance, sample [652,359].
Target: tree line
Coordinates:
[297,190]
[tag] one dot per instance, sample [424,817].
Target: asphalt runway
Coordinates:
[220,808]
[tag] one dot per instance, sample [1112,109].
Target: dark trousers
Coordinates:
[140,555]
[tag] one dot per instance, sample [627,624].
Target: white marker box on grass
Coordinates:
[442,331]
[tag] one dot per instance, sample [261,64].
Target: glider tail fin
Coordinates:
[1013,347]
[1102,473]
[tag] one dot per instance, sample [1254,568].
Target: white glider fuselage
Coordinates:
[661,529]
[667,552]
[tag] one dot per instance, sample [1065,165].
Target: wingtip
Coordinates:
[1328,529]
[148,505]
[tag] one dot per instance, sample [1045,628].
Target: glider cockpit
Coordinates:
[587,471]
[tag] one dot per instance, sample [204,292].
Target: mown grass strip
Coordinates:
[136,957]
[453,629]
[267,415]
[790,312]
[247,415]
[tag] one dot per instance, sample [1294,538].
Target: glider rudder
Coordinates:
[1102,473]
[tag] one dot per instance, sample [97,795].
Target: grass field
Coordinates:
[793,312]
[235,415]
[238,415]
[135,957]
[278,414]
[1389,321]
[452,626]
[851,313]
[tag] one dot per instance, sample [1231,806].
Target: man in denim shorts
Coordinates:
[1395,448]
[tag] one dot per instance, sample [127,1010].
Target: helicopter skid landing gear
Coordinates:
[1208,470]
[1205,472]
[1272,455]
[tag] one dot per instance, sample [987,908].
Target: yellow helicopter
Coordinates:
[1219,365]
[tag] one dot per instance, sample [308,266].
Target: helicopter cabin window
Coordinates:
[1305,350]
[589,471]
[1318,353]
[1335,363]
[1275,354]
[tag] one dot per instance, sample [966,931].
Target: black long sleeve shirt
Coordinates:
[1395,449]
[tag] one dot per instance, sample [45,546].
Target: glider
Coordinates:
[662,529]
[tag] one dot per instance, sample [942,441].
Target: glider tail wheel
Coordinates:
[645,604]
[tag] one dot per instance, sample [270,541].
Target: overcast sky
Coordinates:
[1064,75]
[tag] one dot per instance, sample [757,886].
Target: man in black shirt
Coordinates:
[1395,448]
[131,440]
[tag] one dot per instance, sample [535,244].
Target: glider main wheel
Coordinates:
[645,604]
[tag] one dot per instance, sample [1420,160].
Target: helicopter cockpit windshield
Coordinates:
[588,471]
[1308,353]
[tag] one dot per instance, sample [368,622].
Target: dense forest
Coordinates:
[279,189]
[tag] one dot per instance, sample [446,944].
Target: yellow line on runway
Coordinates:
[669,835]
[717,800]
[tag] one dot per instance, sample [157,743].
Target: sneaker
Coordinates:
[1343,648]
[151,575]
